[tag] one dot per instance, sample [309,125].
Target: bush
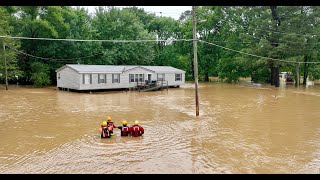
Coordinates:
[40,74]
[260,75]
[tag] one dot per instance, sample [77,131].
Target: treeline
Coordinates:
[280,37]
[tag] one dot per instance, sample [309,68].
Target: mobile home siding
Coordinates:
[68,79]
[72,79]
[171,78]
[142,71]
[124,80]
[96,85]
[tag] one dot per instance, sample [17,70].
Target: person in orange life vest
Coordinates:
[111,125]
[104,130]
[124,129]
[136,130]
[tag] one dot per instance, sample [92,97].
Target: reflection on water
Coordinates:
[241,129]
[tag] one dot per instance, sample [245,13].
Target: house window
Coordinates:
[178,77]
[136,78]
[102,78]
[58,75]
[131,78]
[160,77]
[115,78]
[140,78]
[87,78]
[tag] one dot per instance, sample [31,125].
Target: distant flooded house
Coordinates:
[95,77]
[286,77]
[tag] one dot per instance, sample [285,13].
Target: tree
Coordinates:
[55,22]
[30,23]
[116,24]
[209,28]
[166,29]
[11,56]
[185,48]
[275,32]
[40,74]
[76,24]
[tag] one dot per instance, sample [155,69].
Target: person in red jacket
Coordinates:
[136,130]
[124,129]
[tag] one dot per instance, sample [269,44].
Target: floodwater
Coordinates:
[241,129]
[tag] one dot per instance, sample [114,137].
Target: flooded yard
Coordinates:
[241,129]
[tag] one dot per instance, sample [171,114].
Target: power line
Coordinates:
[167,13]
[278,32]
[94,40]
[245,52]
[254,54]
[289,33]
[282,41]
[255,43]
[123,41]
[305,35]
[235,42]
[285,41]
[81,40]
[20,52]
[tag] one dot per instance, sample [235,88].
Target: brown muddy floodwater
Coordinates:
[241,129]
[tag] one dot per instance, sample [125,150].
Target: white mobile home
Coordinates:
[94,77]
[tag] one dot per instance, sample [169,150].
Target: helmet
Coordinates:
[136,122]
[124,122]
[109,118]
[104,123]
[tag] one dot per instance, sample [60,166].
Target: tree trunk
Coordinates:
[297,77]
[275,15]
[272,74]
[206,76]
[305,71]
[274,43]
[276,76]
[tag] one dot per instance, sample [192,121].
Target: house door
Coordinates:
[149,77]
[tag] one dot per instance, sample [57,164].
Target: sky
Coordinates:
[169,11]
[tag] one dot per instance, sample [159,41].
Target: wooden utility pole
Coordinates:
[5,64]
[195,61]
